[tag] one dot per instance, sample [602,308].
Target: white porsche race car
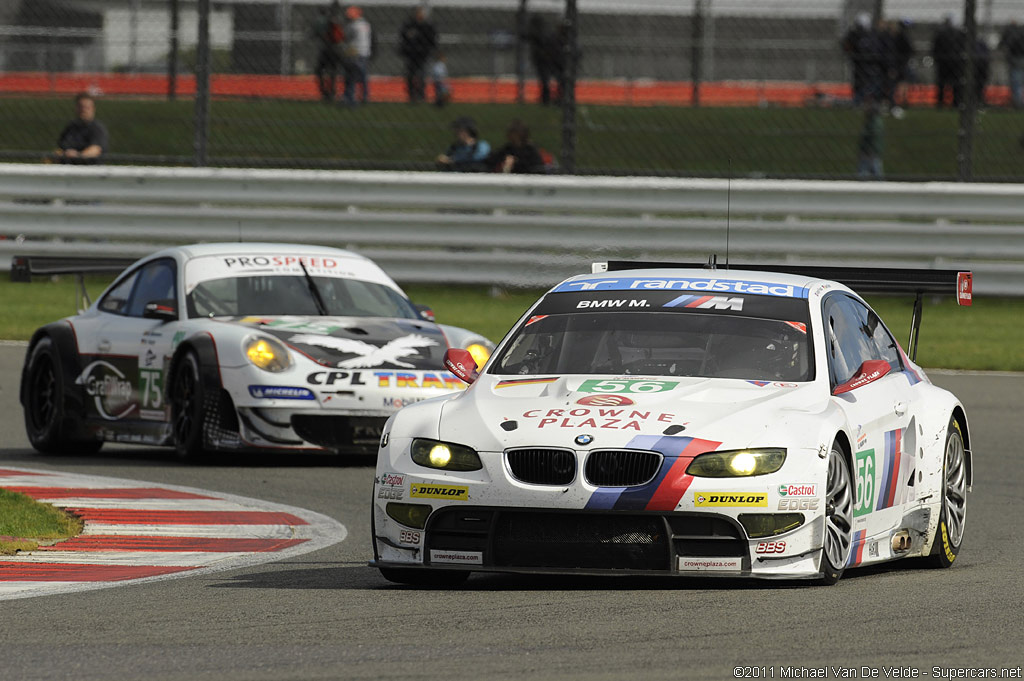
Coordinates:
[692,422]
[233,347]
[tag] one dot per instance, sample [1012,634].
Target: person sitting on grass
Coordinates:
[84,140]
[467,153]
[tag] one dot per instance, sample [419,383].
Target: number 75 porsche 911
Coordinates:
[689,422]
[236,347]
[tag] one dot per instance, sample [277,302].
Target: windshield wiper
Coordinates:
[314,291]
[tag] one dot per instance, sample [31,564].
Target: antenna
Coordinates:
[728,211]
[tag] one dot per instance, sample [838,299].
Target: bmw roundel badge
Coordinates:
[584,439]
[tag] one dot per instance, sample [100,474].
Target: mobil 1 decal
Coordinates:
[768,307]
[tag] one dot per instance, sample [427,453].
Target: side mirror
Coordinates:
[166,310]
[425,312]
[869,372]
[460,362]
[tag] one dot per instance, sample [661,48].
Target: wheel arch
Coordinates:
[960,416]
[62,334]
[205,349]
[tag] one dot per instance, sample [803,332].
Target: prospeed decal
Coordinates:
[281,392]
[600,417]
[704,285]
[429,491]
[727,499]
[366,354]
[209,267]
[110,389]
[664,492]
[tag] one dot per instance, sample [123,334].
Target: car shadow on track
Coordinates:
[359,577]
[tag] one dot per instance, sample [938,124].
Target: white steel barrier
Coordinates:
[518,230]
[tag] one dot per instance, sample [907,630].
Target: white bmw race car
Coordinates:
[236,346]
[692,422]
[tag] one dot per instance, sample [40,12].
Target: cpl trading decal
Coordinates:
[110,388]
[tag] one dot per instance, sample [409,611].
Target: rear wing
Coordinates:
[24,267]
[919,282]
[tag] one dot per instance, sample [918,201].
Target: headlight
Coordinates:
[737,463]
[267,353]
[410,515]
[480,354]
[445,456]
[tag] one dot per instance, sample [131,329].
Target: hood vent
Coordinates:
[621,468]
[542,466]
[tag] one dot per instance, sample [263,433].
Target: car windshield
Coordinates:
[659,344]
[290,295]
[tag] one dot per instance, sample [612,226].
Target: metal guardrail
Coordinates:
[517,230]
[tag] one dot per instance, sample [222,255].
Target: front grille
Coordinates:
[621,468]
[339,432]
[582,540]
[542,466]
[579,540]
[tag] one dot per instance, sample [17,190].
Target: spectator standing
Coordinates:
[1012,44]
[417,41]
[439,75]
[328,37]
[84,140]
[518,155]
[852,47]
[902,69]
[982,62]
[359,51]
[947,52]
[543,54]
[467,153]
[871,143]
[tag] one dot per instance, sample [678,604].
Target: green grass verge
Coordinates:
[984,336]
[628,140]
[25,523]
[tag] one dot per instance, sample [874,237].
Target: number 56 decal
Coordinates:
[626,386]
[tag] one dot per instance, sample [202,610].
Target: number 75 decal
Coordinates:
[150,388]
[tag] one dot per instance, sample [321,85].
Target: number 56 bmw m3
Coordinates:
[682,422]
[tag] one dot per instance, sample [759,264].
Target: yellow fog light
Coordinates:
[480,354]
[769,524]
[410,515]
[737,463]
[440,456]
[444,455]
[267,353]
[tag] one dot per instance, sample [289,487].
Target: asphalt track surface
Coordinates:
[326,615]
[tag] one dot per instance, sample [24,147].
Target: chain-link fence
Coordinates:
[777,88]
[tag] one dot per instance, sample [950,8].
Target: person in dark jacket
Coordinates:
[852,47]
[947,51]
[417,41]
[518,155]
[1012,44]
[84,140]
[467,153]
[544,55]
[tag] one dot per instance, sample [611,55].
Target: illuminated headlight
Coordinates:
[737,463]
[267,353]
[480,354]
[445,456]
